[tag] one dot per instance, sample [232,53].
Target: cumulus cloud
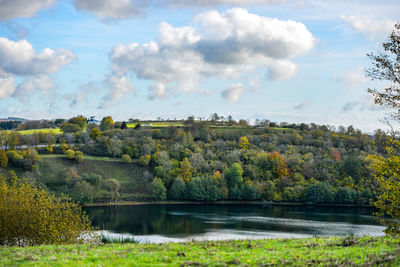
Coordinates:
[118,86]
[20,58]
[122,9]
[112,9]
[351,79]
[224,45]
[22,8]
[370,26]
[7,87]
[39,84]
[233,92]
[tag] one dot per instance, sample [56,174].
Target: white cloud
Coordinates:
[122,9]
[370,26]
[118,86]
[7,87]
[158,90]
[22,8]
[351,79]
[20,58]
[39,84]
[233,92]
[112,9]
[225,45]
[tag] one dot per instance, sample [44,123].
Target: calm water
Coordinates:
[182,222]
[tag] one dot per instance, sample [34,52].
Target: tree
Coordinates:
[386,173]
[79,156]
[386,67]
[244,143]
[70,154]
[157,189]
[320,193]
[95,133]
[30,216]
[233,175]
[186,170]
[177,189]
[3,159]
[107,123]
[124,125]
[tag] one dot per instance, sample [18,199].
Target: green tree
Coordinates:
[186,170]
[157,189]
[203,189]
[79,157]
[233,175]
[177,189]
[320,193]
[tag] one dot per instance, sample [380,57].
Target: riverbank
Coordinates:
[368,251]
[266,203]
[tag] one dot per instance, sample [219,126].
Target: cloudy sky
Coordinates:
[282,60]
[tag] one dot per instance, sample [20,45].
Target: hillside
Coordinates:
[199,160]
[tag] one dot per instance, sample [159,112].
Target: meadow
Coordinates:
[334,251]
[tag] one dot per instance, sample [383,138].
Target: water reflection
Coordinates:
[180,222]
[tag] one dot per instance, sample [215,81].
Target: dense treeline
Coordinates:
[213,160]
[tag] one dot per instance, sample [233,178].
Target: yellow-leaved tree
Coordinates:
[386,171]
[30,216]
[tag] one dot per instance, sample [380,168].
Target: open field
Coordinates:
[157,124]
[349,251]
[43,130]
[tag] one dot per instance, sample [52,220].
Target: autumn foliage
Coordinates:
[30,216]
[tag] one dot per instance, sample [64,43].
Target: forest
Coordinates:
[199,160]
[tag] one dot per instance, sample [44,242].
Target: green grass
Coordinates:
[334,251]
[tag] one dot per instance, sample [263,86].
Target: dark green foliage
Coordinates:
[320,193]
[157,189]
[346,195]
[233,175]
[203,189]
[177,189]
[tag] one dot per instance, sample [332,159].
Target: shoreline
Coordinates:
[171,202]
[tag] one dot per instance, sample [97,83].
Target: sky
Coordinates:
[282,60]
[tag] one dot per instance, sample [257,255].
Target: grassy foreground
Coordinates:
[298,252]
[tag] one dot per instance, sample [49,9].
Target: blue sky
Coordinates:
[294,61]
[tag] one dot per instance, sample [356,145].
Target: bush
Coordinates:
[126,158]
[30,216]
[177,190]
[157,189]
[319,193]
[79,156]
[70,154]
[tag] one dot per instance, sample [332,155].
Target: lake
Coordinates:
[155,223]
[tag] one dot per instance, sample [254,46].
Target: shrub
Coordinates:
[126,158]
[177,190]
[70,154]
[79,156]
[30,216]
